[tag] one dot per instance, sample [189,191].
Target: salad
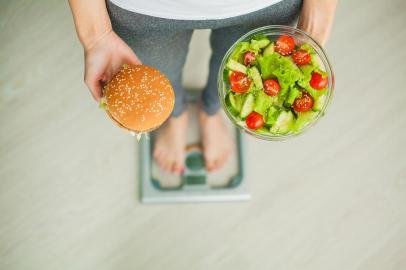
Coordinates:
[274,87]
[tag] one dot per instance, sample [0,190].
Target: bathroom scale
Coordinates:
[196,184]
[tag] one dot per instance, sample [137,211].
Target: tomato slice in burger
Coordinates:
[240,82]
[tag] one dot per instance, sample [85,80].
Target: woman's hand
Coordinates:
[103,58]
[316,18]
[105,52]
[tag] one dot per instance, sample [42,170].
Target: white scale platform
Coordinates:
[196,184]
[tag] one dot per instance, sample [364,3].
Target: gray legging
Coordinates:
[163,43]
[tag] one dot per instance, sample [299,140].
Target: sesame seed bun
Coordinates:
[139,98]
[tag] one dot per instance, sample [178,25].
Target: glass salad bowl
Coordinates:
[273,89]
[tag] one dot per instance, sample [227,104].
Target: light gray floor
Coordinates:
[334,198]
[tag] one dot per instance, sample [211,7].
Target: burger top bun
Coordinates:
[139,98]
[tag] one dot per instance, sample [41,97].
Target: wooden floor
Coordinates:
[334,198]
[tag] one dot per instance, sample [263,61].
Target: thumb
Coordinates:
[132,58]
[94,83]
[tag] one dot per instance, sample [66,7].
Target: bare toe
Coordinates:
[210,165]
[216,139]
[169,148]
[176,168]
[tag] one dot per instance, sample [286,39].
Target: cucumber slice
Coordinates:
[256,77]
[234,102]
[231,103]
[239,100]
[319,103]
[278,101]
[269,49]
[256,45]
[303,119]
[260,37]
[284,123]
[262,102]
[248,106]
[236,66]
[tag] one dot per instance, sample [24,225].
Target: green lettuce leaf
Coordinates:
[240,49]
[283,68]
[307,71]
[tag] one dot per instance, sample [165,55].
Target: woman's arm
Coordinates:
[105,52]
[91,20]
[316,18]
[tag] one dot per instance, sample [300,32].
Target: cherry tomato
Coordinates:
[304,103]
[301,57]
[318,82]
[249,58]
[284,44]
[240,82]
[271,87]
[254,121]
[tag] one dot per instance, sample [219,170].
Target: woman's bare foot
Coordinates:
[216,140]
[169,149]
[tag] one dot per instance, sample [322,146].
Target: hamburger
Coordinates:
[138,99]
